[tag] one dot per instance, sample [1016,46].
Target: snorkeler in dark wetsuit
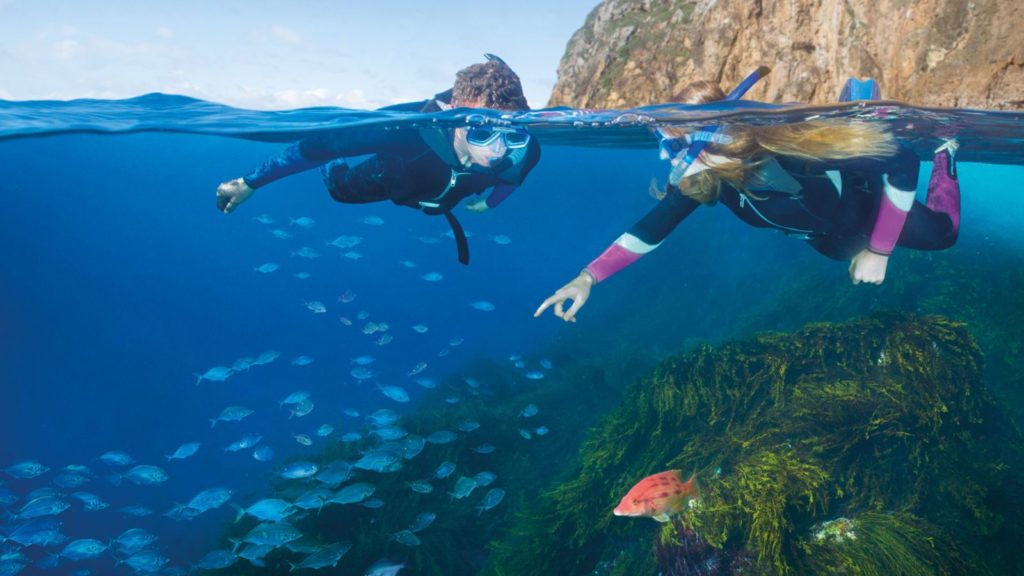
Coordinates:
[431,169]
[847,188]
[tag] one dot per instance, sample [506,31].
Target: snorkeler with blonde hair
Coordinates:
[846,187]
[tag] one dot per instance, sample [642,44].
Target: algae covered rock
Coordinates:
[882,421]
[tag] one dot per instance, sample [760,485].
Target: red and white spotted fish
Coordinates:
[658,496]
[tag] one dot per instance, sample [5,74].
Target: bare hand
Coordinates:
[578,290]
[232,193]
[868,267]
[477,206]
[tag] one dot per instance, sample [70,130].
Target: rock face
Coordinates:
[962,53]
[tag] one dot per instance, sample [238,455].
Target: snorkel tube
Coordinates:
[672,148]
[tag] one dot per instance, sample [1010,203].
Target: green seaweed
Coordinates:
[884,417]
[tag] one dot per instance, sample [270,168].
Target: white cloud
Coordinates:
[165,32]
[4,94]
[285,34]
[67,48]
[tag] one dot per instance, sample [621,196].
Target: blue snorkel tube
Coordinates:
[672,148]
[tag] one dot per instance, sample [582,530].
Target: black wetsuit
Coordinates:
[804,203]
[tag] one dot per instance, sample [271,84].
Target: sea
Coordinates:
[133,313]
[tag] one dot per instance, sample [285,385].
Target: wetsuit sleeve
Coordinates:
[646,235]
[322,148]
[499,194]
[899,188]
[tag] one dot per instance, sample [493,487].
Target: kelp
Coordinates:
[883,419]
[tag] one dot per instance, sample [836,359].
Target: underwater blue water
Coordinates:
[120,281]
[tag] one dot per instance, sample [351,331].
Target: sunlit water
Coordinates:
[120,282]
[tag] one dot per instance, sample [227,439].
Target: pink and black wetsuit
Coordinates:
[876,210]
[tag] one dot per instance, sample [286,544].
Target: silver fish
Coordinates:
[302,408]
[325,557]
[306,252]
[420,486]
[467,425]
[271,534]
[444,470]
[146,475]
[422,521]
[295,397]
[299,470]
[91,501]
[43,532]
[184,451]
[210,499]
[384,568]
[268,510]
[133,540]
[464,486]
[493,497]
[117,458]
[85,549]
[485,478]
[530,410]
[406,537]
[218,560]
[215,374]
[304,222]
[146,562]
[266,357]
[27,469]
[442,437]
[345,242]
[354,493]
[396,393]
[263,453]
[378,461]
[231,414]
[412,445]
[382,417]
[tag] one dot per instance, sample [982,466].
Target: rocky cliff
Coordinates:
[963,53]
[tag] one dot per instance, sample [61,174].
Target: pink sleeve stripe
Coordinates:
[888,227]
[612,260]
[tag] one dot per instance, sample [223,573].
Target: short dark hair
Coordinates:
[492,84]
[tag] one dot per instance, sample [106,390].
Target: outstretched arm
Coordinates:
[310,153]
[646,235]
[899,188]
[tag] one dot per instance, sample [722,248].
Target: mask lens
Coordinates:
[481,135]
[516,139]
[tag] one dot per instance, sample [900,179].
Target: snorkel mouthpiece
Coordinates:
[672,147]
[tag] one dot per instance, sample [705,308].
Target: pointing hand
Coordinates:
[577,290]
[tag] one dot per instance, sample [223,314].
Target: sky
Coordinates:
[270,54]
